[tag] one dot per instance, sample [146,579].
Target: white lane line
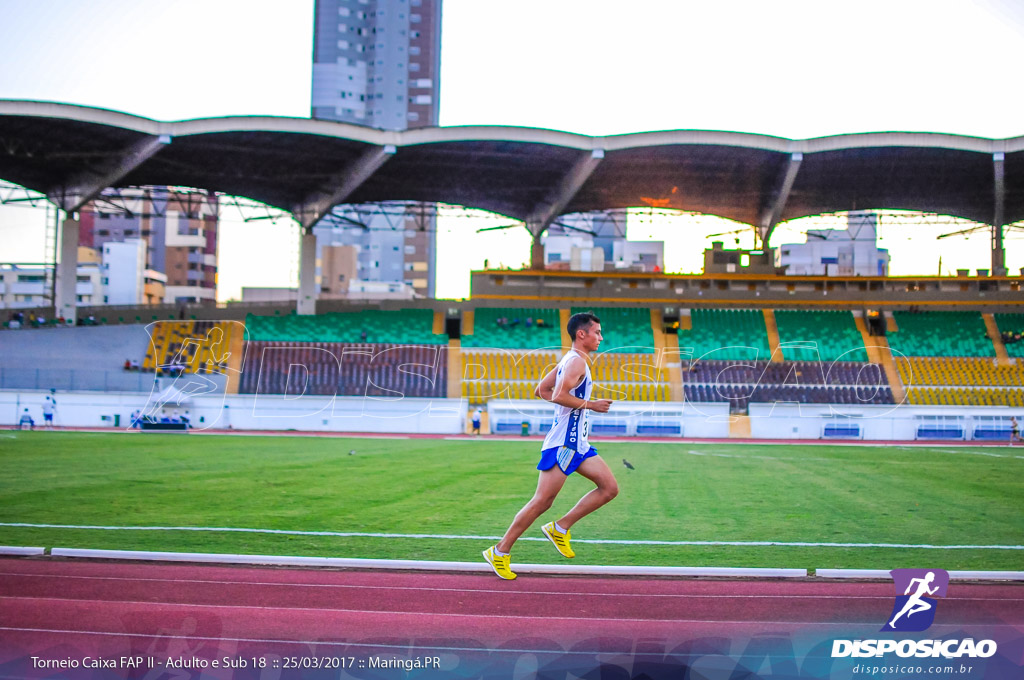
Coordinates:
[367,645]
[600,541]
[560,593]
[742,457]
[388,612]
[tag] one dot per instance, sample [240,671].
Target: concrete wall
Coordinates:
[885,422]
[247,412]
[448,416]
[505,416]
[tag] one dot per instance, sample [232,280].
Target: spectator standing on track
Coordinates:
[565,450]
[49,406]
[26,422]
[1014,431]
[477,415]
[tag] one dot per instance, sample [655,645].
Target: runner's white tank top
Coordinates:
[571,426]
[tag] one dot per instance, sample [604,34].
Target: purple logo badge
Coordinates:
[914,609]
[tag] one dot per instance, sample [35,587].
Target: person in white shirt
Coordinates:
[566,448]
[49,404]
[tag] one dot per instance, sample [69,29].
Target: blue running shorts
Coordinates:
[565,458]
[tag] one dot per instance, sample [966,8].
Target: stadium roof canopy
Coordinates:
[304,166]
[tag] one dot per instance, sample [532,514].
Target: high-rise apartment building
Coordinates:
[378,63]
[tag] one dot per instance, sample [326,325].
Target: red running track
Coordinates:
[60,609]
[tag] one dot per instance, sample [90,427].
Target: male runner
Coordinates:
[566,449]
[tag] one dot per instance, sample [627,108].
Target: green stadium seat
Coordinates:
[727,334]
[407,326]
[941,334]
[516,334]
[834,332]
[1012,323]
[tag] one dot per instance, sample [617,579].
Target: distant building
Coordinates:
[258,294]
[718,260]
[179,232]
[24,286]
[113,277]
[382,253]
[596,243]
[838,252]
[123,266]
[357,291]
[377,62]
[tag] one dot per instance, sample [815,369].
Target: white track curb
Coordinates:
[24,552]
[958,575]
[352,563]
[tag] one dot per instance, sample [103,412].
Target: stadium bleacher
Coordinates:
[949,359]
[1012,325]
[514,328]
[193,345]
[408,326]
[940,334]
[736,334]
[833,333]
[353,369]
[504,359]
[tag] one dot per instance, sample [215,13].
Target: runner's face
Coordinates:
[591,337]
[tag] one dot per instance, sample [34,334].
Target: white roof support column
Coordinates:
[998,214]
[307,274]
[543,214]
[81,189]
[342,185]
[316,205]
[65,303]
[771,215]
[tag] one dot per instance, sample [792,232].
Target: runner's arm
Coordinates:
[546,387]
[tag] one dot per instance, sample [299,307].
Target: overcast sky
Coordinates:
[792,68]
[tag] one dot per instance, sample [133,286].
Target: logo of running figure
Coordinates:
[914,610]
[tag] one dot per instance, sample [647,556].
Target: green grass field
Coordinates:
[678,492]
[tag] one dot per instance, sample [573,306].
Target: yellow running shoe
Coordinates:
[500,564]
[560,540]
